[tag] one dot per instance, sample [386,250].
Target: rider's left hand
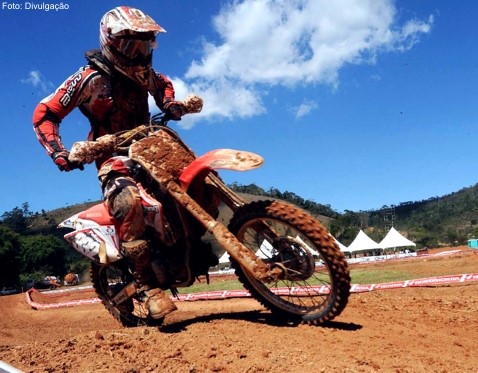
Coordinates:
[175,109]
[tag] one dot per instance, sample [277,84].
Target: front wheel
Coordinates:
[315,283]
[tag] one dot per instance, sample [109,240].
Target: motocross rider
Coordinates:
[112,92]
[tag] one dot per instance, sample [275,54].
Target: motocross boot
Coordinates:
[158,303]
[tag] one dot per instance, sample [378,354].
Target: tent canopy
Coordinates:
[362,243]
[224,258]
[266,250]
[395,239]
[341,245]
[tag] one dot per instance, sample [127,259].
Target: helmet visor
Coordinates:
[136,51]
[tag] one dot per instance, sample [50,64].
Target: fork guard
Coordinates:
[251,263]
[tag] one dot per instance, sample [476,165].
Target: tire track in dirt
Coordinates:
[432,329]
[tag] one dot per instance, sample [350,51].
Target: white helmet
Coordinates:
[127,40]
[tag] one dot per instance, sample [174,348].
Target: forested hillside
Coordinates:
[31,245]
[447,220]
[438,221]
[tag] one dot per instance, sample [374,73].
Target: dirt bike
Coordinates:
[281,254]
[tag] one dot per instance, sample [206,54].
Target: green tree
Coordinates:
[9,257]
[18,218]
[42,255]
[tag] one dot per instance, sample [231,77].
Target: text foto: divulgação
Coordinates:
[27,5]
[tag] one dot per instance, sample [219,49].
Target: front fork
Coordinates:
[240,253]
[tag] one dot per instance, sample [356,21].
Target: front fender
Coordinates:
[227,159]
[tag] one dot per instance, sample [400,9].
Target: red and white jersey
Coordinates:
[112,103]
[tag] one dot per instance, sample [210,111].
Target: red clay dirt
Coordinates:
[428,329]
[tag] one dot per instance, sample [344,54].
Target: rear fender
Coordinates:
[227,159]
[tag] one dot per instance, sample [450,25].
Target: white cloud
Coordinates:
[265,43]
[228,99]
[221,99]
[37,80]
[304,109]
[409,34]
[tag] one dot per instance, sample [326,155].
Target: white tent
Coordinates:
[395,239]
[224,258]
[362,243]
[312,251]
[341,245]
[265,251]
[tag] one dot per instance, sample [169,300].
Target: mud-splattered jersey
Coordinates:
[112,103]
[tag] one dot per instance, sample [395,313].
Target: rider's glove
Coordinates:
[175,109]
[61,160]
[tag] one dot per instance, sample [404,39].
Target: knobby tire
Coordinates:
[332,270]
[107,281]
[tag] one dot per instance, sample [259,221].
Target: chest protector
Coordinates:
[127,102]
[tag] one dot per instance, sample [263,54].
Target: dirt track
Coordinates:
[430,329]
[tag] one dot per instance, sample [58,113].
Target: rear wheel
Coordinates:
[315,283]
[108,282]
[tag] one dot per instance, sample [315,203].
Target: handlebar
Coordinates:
[89,151]
[160,119]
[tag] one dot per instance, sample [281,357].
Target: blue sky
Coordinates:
[353,103]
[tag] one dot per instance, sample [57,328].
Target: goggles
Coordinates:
[136,50]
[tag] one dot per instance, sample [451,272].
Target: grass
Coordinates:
[359,276]
[364,276]
[379,273]
[214,285]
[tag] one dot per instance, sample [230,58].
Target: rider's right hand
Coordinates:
[61,160]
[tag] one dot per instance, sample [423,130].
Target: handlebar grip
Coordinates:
[89,151]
